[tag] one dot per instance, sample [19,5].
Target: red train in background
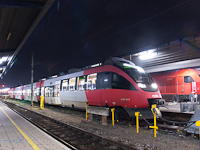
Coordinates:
[181,85]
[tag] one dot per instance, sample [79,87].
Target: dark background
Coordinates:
[77,33]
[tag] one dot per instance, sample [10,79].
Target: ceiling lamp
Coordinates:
[149,54]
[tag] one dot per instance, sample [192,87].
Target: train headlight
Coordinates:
[141,85]
[154,85]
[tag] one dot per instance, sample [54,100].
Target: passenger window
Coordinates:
[120,82]
[188,79]
[51,92]
[56,90]
[72,83]
[38,92]
[46,92]
[91,81]
[81,83]
[65,85]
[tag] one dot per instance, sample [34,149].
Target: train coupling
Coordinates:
[158,102]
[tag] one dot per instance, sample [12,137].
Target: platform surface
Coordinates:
[173,107]
[16,133]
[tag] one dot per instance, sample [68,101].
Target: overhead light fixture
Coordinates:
[8,37]
[3,59]
[147,54]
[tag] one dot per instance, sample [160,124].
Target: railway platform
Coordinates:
[16,133]
[174,107]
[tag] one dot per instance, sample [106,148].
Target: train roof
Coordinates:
[181,72]
[75,71]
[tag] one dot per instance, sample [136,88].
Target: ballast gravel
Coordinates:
[120,132]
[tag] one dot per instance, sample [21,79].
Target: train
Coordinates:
[180,85]
[114,83]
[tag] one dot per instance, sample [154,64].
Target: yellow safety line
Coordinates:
[25,136]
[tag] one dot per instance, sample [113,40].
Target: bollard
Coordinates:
[113,116]
[154,107]
[137,114]
[86,115]
[42,102]
[198,124]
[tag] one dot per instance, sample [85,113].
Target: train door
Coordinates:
[116,90]
[93,92]
[49,94]
[57,93]
[106,93]
[180,85]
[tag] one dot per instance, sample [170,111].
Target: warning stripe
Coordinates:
[24,135]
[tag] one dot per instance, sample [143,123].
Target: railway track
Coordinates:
[175,116]
[171,122]
[73,137]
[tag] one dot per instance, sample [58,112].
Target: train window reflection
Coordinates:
[81,83]
[65,85]
[46,92]
[91,81]
[57,90]
[49,91]
[72,83]
[188,79]
[38,92]
[119,82]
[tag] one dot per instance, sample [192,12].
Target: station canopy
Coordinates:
[18,18]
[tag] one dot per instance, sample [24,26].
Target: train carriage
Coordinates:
[19,92]
[50,91]
[11,93]
[27,92]
[179,85]
[116,82]
[72,89]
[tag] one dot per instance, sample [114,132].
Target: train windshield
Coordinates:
[143,79]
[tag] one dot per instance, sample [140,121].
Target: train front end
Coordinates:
[146,91]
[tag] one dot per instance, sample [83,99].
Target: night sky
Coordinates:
[77,33]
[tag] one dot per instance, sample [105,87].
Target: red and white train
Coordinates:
[179,85]
[115,83]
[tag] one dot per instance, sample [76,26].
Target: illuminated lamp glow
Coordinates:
[43,79]
[139,69]
[96,65]
[141,85]
[54,76]
[3,59]
[5,89]
[148,54]
[154,85]
[82,82]
[128,65]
